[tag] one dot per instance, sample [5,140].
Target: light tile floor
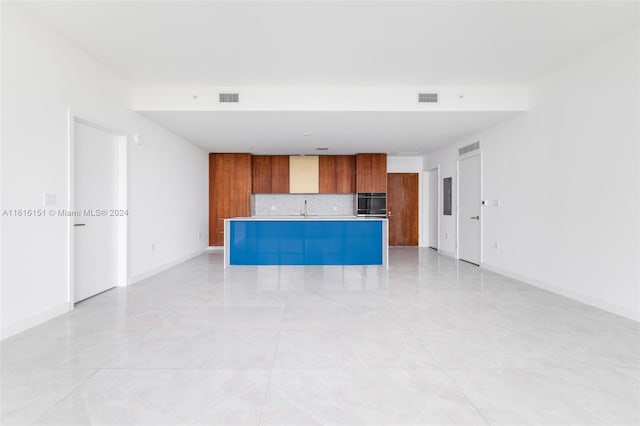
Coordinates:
[428,341]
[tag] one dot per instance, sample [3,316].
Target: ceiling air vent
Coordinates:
[465,149]
[229,97]
[429,98]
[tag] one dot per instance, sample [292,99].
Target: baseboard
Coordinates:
[580,297]
[139,277]
[447,253]
[9,330]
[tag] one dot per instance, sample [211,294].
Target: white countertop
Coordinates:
[296,218]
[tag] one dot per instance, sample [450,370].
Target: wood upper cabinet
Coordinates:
[345,174]
[337,174]
[378,173]
[371,173]
[270,174]
[363,173]
[327,172]
[261,174]
[229,191]
[279,174]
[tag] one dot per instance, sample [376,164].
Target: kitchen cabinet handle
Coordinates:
[79,224]
[475,217]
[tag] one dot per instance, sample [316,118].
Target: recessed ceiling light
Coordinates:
[307,134]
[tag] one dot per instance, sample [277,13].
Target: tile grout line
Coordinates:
[446,372]
[73,389]
[95,373]
[405,327]
[273,362]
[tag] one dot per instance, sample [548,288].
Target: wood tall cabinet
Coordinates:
[371,173]
[229,192]
[270,174]
[337,174]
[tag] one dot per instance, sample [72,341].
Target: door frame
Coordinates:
[462,158]
[426,198]
[122,190]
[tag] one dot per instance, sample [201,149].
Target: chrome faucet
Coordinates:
[305,213]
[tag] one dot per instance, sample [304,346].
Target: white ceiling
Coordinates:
[396,133]
[333,43]
[291,43]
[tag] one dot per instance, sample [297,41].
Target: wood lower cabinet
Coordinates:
[371,173]
[337,174]
[229,191]
[270,174]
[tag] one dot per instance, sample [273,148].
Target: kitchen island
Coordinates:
[306,241]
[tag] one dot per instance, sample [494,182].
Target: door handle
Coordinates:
[79,224]
[475,217]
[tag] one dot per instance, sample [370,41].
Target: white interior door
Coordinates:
[95,191]
[432,208]
[469,198]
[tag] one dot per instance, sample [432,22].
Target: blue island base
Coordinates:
[305,242]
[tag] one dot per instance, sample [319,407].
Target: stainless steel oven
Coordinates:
[371,204]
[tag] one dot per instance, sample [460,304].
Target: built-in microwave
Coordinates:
[371,204]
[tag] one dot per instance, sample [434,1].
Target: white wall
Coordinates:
[446,159]
[566,175]
[168,200]
[432,207]
[42,77]
[404,164]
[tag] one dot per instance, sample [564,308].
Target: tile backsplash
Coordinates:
[293,204]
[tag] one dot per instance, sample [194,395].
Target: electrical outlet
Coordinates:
[496,203]
[199,235]
[496,246]
[273,208]
[153,246]
[446,236]
[335,208]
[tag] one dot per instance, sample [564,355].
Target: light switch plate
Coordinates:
[50,199]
